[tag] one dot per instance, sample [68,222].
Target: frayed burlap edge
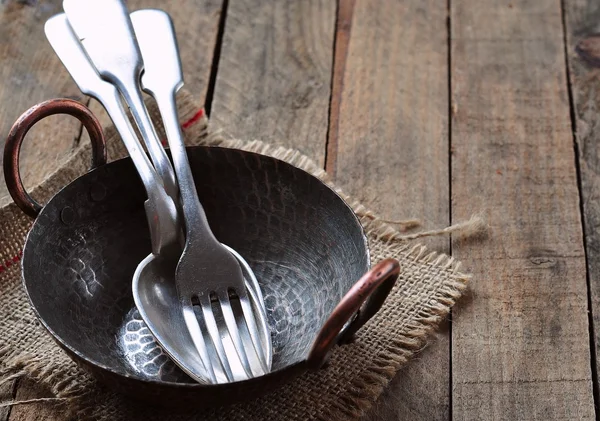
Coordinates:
[370,384]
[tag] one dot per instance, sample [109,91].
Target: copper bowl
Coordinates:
[304,243]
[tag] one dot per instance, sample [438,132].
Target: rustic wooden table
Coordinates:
[422,108]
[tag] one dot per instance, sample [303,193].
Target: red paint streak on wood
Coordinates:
[199,114]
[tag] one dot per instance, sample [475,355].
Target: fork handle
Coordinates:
[362,302]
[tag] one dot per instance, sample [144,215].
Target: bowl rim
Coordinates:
[194,385]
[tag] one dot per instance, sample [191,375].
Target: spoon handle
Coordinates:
[105,31]
[160,209]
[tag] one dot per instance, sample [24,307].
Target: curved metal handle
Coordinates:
[359,304]
[24,123]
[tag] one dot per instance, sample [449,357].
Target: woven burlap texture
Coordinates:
[428,286]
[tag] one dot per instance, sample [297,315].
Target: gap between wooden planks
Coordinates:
[388,145]
[281,92]
[582,24]
[31,73]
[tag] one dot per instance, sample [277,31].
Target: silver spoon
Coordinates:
[158,275]
[181,348]
[205,262]
[164,226]
[106,34]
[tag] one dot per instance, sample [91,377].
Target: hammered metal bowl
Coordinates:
[304,243]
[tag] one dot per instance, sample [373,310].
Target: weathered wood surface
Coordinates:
[6,393]
[274,75]
[520,346]
[30,73]
[390,148]
[582,19]
[343,28]
[369,99]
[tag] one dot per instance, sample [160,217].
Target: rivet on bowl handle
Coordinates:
[364,299]
[26,121]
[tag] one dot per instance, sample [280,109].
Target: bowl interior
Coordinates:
[303,242]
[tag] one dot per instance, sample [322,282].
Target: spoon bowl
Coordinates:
[156,298]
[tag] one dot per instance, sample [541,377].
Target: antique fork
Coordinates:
[208,271]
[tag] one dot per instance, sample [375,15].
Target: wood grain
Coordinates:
[392,151]
[520,341]
[582,23]
[6,395]
[31,73]
[258,65]
[342,41]
[35,411]
[274,77]
[521,346]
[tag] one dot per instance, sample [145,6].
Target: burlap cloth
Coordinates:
[428,286]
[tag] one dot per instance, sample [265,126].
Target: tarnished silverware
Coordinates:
[206,269]
[105,32]
[161,211]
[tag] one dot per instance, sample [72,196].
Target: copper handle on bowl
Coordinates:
[25,122]
[364,299]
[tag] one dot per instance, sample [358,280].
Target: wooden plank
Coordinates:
[520,346]
[582,24]
[274,74]
[34,411]
[196,23]
[408,397]
[389,147]
[252,101]
[6,395]
[31,73]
